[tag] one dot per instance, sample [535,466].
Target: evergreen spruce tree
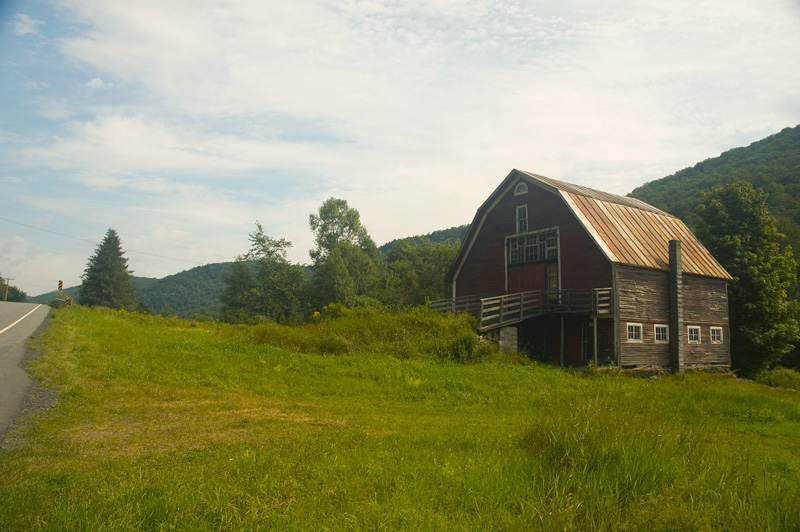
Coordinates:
[107,280]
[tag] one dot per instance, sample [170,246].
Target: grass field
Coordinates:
[382,423]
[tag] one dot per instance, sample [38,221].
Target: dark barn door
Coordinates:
[527,277]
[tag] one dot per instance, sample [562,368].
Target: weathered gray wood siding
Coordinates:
[705,305]
[644,298]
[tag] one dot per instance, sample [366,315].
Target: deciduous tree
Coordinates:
[10,292]
[415,269]
[735,225]
[263,282]
[346,258]
[337,222]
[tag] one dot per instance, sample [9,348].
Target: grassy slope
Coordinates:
[171,425]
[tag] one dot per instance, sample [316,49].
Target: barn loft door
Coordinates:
[527,277]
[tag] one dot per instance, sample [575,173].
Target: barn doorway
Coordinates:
[587,341]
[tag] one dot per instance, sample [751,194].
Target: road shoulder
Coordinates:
[38,399]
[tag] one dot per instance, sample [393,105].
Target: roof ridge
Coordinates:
[599,195]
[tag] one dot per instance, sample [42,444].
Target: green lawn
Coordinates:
[171,425]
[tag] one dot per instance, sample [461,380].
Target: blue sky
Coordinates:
[181,123]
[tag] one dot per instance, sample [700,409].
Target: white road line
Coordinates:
[22,318]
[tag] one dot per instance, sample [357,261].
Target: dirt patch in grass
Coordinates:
[146,427]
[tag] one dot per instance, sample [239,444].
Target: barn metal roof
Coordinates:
[630,231]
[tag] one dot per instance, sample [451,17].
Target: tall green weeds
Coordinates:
[361,421]
[412,333]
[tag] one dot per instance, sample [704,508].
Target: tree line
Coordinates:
[745,207]
[262,284]
[9,292]
[347,268]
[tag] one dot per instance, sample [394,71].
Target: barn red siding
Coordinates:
[599,234]
[483,271]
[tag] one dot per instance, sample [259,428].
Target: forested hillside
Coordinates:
[189,294]
[771,164]
[454,234]
[772,167]
[195,293]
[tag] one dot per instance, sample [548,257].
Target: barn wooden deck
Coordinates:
[499,311]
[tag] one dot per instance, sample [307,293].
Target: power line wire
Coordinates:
[97,243]
[90,226]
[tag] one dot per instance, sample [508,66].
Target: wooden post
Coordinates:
[594,339]
[561,345]
[676,305]
[615,310]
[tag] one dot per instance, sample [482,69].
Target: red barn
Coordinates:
[583,275]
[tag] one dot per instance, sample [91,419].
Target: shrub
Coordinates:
[412,333]
[332,344]
[463,346]
[780,378]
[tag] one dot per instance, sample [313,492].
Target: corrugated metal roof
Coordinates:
[630,231]
[592,193]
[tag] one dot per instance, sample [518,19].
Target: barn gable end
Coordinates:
[584,275]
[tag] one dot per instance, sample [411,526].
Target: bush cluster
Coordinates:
[340,330]
[780,378]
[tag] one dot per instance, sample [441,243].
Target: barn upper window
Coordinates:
[520,189]
[522,218]
[533,247]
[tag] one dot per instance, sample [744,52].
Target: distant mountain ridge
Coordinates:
[195,293]
[771,164]
[453,234]
[191,293]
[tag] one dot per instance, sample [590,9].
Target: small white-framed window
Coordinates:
[515,247]
[520,189]
[634,332]
[661,334]
[693,334]
[716,335]
[522,219]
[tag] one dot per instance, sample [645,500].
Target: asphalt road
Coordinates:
[18,321]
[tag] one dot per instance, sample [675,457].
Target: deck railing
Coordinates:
[468,304]
[507,309]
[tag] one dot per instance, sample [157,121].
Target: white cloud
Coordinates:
[170,236]
[36,85]
[413,79]
[411,111]
[25,25]
[97,83]
[53,108]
